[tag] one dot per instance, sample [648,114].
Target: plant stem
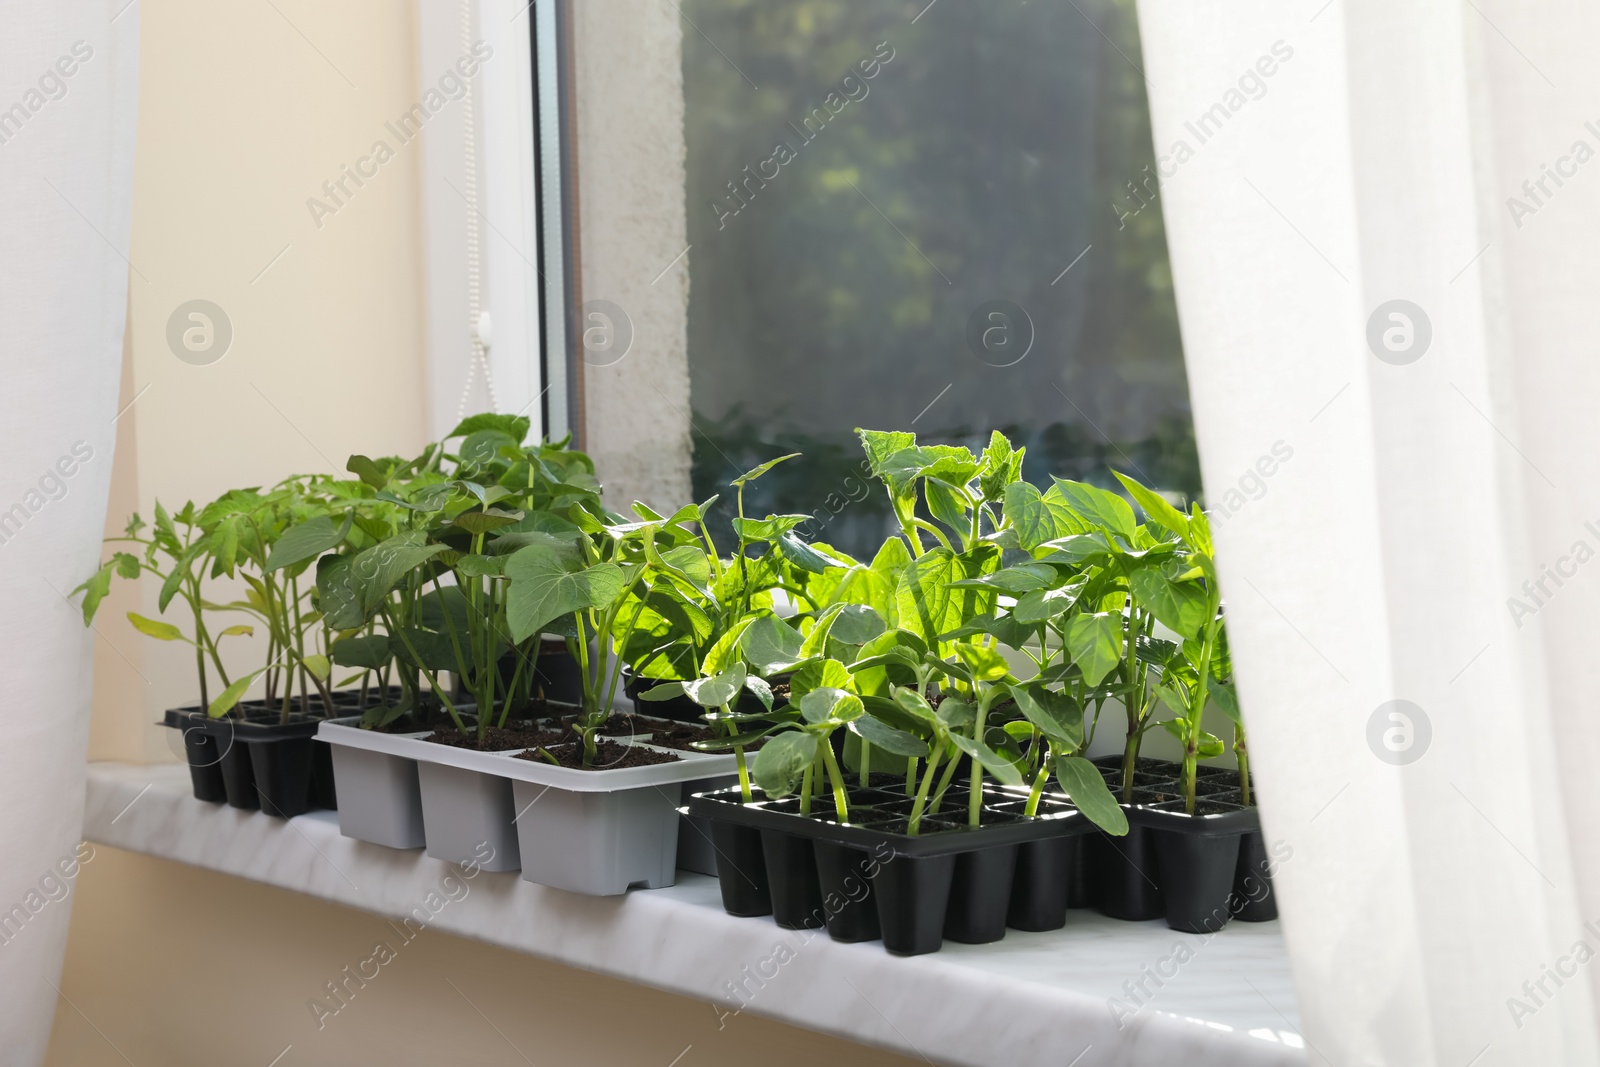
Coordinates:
[805,785]
[1241,751]
[1039,782]
[841,806]
[866,762]
[915,822]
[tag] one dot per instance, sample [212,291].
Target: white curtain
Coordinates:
[1324,160]
[66,183]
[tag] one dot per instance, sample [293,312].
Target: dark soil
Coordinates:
[496,739]
[678,735]
[780,694]
[609,756]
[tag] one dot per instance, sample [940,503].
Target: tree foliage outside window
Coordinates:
[836,281]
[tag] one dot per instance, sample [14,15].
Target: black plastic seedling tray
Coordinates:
[868,878]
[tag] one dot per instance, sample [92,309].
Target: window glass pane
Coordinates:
[947,225]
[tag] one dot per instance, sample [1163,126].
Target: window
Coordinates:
[942,221]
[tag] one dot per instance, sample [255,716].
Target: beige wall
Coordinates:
[240,121]
[185,968]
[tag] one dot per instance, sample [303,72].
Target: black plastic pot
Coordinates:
[1253,900]
[1197,857]
[1041,882]
[233,761]
[266,765]
[980,895]
[1083,871]
[913,893]
[912,876]
[844,875]
[200,752]
[1129,879]
[792,879]
[282,769]
[741,870]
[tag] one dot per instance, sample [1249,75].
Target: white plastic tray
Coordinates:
[690,765]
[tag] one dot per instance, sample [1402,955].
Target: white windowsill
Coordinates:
[1031,999]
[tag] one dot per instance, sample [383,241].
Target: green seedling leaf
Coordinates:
[1086,787]
[1001,769]
[924,599]
[1039,517]
[880,445]
[830,702]
[1095,643]
[1223,696]
[664,691]
[758,686]
[856,624]
[726,648]
[480,522]
[371,652]
[238,631]
[1179,606]
[544,587]
[984,663]
[1042,605]
[319,666]
[1105,509]
[769,644]
[947,504]
[513,426]
[884,737]
[1210,746]
[368,471]
[161,631]
[782,762]
[1056,714]
[1155,506]
[230,696]
[956,713]
[717,691]
[1014,581]
[756,472]
[818,674]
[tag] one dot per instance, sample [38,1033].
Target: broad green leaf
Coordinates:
[1156,508]
[1101,507]
[664,691]
[782,762]
[818,674]
[998,467]
[1042,605]
[885,737]
[1223,697]
[375,572]
[368,471]
[371,652]
[758,687]
[479,522]
[161,631]
[830,702]
[716,691]
[803,555]
[1003,770]
[337,595]
[956,713]
[544,587]
[924,599]
[1178,728]
[947,505]
[1015,581]
[726,648]
[514,426]
[880,445]
[816,642]
[856,624]
[1095,643]
[985,664]
[769,644]
[319,666]
[1179,606]
[238,631]
[1057,714]
[1039,517]
[1086,787]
